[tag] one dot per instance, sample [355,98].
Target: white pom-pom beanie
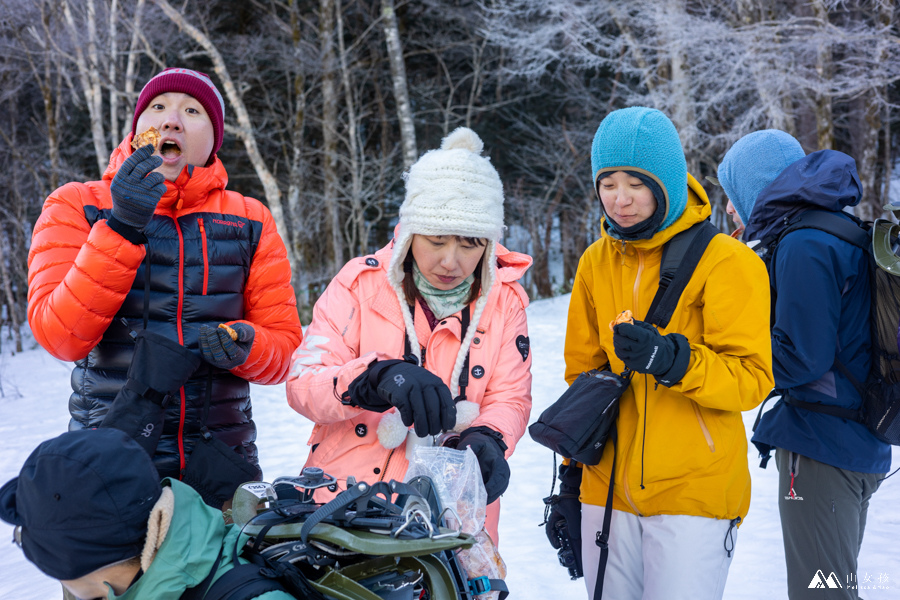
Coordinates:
[450,191]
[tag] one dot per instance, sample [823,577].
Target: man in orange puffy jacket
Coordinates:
[160,244]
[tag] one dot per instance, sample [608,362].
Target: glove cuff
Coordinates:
[679,364]
[486,431]
[570,479]
[128,232]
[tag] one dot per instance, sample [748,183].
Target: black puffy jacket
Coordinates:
[213,256]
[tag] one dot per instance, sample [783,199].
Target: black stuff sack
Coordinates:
[578,424]
[215,471]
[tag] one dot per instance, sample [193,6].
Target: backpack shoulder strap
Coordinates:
[243,582]
[828,221]
[680,257]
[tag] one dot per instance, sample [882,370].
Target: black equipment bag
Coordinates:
[214,469]
[578,424]
[880,392]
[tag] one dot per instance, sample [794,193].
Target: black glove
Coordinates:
[644,350]
[565,517]
[488,446]
[159,367]
[219,350]
[420,396]
[135,194]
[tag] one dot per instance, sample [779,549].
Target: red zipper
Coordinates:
[205,257]
[181,457]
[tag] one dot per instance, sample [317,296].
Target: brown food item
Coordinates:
[230,331]
[151,136]
[624,317]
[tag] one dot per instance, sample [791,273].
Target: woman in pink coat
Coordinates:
[443,295]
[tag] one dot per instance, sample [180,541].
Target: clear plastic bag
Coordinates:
[457,478]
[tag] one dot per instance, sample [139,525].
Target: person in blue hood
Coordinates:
[828,467]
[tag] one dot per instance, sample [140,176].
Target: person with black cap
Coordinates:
[89,510]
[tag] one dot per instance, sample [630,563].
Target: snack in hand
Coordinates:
[151,136]
[231,332]
[624,317]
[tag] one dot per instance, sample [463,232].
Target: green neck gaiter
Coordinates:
[442,303]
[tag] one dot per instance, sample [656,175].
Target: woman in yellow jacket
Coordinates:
[682,483]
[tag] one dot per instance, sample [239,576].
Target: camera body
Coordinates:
[565,554]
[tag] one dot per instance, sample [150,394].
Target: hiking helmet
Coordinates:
[644,141]
[886,245]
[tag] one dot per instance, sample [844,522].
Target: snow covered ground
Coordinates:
[35,390]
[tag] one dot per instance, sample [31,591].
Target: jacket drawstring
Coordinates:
[729,535]
[644,434]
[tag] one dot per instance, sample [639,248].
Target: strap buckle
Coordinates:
[602,540]
[480,585]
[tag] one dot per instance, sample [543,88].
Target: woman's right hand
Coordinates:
[421,397]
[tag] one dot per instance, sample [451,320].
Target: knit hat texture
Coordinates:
[192,83]
[752,163]
[644,140]
[453,190]
[82,501]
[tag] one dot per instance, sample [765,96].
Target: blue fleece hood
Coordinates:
[826,179]
[754,162]
[644,140]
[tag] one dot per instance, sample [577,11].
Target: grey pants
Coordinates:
[823,518]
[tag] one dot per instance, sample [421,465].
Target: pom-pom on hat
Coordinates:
[82,501]
[754,162]
[192,83]
[453,190]
[643,140]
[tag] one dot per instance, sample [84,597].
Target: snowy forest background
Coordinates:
[328,101]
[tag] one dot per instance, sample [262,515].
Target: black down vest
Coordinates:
[197,266]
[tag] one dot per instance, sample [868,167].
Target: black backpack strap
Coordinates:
[681,255]
[827,409]
[198,592]
[483,585]
[243,582]
[339,502]
[849,230]
[602,539]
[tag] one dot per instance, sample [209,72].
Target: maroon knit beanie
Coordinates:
[192,83]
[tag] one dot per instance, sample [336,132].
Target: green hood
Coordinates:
[189,550]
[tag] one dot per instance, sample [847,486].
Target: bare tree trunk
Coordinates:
[296,178]
[329,131]
[356,224]
[89,76]
[11,305]
[112,74]
[824,118]
[130,67]
[398,76]
[245,127]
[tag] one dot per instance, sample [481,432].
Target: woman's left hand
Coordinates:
[489,448]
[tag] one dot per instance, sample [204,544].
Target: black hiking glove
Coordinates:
[420,396]
[159,367]
[644,350]
[565,513]
[135,194]
[489,448]
[220,350]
